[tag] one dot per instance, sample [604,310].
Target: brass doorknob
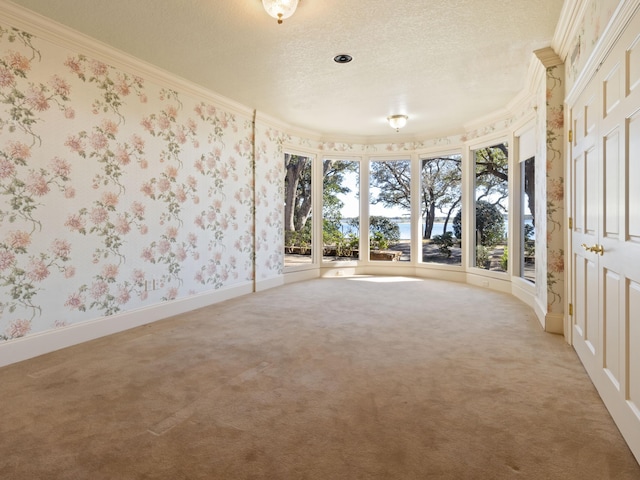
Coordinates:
[599,249]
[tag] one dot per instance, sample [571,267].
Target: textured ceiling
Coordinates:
[444,63]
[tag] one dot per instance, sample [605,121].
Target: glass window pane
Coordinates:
[340,210]
[390,210]
[491,207]
[297,210]
[441,198]
[528,233]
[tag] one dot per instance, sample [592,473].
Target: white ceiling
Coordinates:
[444,63]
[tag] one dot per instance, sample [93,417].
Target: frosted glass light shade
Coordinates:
[397,121]
[280,9]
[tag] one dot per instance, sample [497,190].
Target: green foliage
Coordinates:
[297,191]
[346,245]
[444,242]
[441,179]
[489,223]
[378,241]
[529,230]
[354,224]
[492,172]
[529,240]
[457,224]
[332,235]
[298,212]
[383,229]
[483,257]
[298,239]
[504,259]
[331,232]
[393,178]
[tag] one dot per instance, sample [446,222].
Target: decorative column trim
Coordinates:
[548,57]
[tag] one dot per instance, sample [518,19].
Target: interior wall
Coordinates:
[126,189]
[269,194]
[119,192]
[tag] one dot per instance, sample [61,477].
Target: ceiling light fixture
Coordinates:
[342,58]
[397,121]
[280,9]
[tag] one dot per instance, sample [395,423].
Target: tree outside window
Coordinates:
[297,210]
[491,167]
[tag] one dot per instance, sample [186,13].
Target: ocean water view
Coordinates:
[405,229]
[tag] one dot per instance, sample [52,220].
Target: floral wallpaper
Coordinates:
[115,192]
[269,209]
[118,192]
[597,15]
[553,186]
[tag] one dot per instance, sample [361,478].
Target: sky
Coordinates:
[352,201]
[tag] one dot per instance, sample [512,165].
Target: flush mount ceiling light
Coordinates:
[397,121]
[280,9]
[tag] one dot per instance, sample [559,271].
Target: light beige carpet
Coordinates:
[351,378]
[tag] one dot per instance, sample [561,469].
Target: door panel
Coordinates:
[612,90]
[613,346]
[586,312]
[585,225]
[633,65]
[579,194]
[612,184]
[605,239]
[592,204]
[633,177]
[592,324]
[633,361]
[580,295]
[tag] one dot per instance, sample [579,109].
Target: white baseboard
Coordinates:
[491,282]
[523,291]
[554,323]
[266,284]
[442,274]
[541,312]
[21,349]
[301,275]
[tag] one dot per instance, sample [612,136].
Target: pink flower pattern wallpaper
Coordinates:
[269,195]
[119,192]
[553,186]
[116,193]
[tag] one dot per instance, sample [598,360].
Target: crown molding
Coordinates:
[49,30]
[496,116]
[363,141]
[65,37]
[548,57]
[571,15]
[289,129]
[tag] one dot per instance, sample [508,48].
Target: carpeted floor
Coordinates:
[347,378]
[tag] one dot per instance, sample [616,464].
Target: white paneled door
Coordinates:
[605,237]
